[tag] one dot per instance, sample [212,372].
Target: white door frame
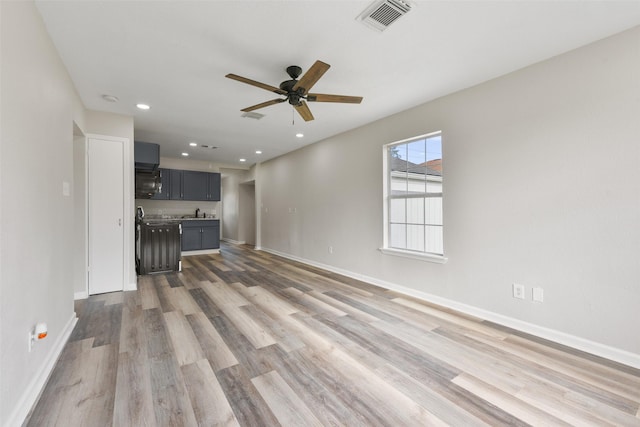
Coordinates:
[129,278]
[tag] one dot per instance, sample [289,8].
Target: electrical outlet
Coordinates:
[518,291]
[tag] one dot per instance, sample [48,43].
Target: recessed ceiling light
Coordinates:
[243,160]
[110,98]
[143,106]
[299,135]
[193,144]
[185,154]
[258,152]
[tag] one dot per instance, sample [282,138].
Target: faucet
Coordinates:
[197,212]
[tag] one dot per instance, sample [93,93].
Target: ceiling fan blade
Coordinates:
[323,97]
[256,84]
[312,75]
[303,110]
[263,104]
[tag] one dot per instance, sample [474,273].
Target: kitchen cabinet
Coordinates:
[214,186]
[146,155]
[192,185]
[189,185]
[195,185]
[165,190]
[211,236]
[199,235]
[201,186]
[175,184]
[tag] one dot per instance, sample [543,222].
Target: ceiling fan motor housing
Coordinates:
[294,71]
[293,96]
[288,85]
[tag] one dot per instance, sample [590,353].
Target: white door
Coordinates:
[106,210]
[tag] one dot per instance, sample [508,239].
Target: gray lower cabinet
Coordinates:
[199,235]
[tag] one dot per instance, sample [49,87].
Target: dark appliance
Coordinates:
[158,247]
[148,184]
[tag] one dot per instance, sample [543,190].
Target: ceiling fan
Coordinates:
[297,91]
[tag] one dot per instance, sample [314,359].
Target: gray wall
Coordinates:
[541,187]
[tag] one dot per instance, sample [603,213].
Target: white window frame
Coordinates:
[386,186]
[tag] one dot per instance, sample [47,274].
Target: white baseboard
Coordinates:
[578,343]
[131,286]
[235,242]
[33,390]
[85,294]
[201,252]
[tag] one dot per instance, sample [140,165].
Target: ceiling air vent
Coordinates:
[383,13]
[252,115]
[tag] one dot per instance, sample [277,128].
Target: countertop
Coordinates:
[160,219]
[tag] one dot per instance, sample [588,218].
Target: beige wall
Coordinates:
[541,187]
[39,107]
[43,244]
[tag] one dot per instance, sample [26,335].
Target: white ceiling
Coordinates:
[174,56]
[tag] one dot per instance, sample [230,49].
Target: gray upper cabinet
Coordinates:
[165,189]
[214,186]
[189,185]
[146,155]
[175,184]
[196,185]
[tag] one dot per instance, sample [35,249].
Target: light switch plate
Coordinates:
[537,294]
[66,188]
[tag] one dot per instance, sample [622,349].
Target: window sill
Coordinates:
[439,259]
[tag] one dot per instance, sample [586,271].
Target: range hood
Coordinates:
[148,183]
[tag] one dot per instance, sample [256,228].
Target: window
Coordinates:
[413,196]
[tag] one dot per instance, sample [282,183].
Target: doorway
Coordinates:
[247,212]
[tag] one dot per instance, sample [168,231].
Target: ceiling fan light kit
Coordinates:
[295,91]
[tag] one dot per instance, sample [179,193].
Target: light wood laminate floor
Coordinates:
[247,338]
